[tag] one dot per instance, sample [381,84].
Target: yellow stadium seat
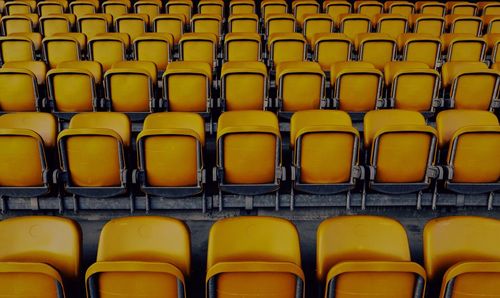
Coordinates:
[171,24]
[402,152]
[114,8]
[376,48]
[154,47]
[435,8]
[464,24]
[248,153]
[301,8]
[16,24]
[107,49]
[254,256]
[28,141]
[244,86]
[19,90]
[93,24]
[325,152]
[354,24]
[286,47]
[316,24]
[149,7]
[35,37]
[46,8]
[392,24]
[471,140]
[404,8]
[330,48]
[268,7]
[57,49]
[2,7]
[18,7]
[52,24]
[489,8]
[428,24]
[471,85]
[493,41]
[463,47]
[241,7]
[215,7]
[242,47]
[83,7]
[92,154]
[417,47]
[93,67]
[148,256]
[356,86]
[193,81]
[41,254]
[71,90]
[301,86]
[412,86]
[279,23]
[335,8]
[461,8]
[133,24]
[368,8]
[199,47]
[461,254]
[170,154]
[492,23]
[16,48]
[38,68]
[207,23]
[366,256]
[243,23]
[182,7]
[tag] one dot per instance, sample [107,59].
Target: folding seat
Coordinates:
[356,86]
[27,140]
[366,256]
[182,7]
[107,49]
[92,153]
[151,8]
[93,24]
[72,86]
[35,37]
[428,24]
[325,152]
[279,23]
[241,7]
[330,48]
[169,23]
[115,8]
[268,7]
[19,88]
[471,85]
[16,24]
[154,47]
[141,256]
[489,8]
[435,8]
[412,86]
[461,8]
[215,7]
[200,47]
[196,81]
[368,8]
[246,23]
[492,23]
[41,254]
[18,7]
[301,86]
[461,256]
[464,24]
[46,8]
[248,153]
[417,47]
[38,68]
[2,7]
[316,23]
[242,47]
[335,8]
[252,256]
[354,24]
[463,47]
[50,25]
[301,8]
[493,41]
[285,47]
[129,86]
[133,24]
[404,8]
[83,7]
[402,152]
[170,154]
[244,86]
[391,24]
[57,49]
[207,23]
[16,48]
[376,48]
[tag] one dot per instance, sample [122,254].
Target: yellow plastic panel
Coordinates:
[270,285]
[92,27]
[17,25]
[352,28]
[133,27]
[190,94]
[243,50]
[202,51]
[16,50]
[314,26]
[155,51]
[423,51]
[54,25]
[60,51]
[358,92]
[20,164]
[107,53]
[285,51]
[208,25]
[73,93]
[331,51]
[415,92]
[135,97]
[378,53]
[477,284]
[244,92]
[21,285]
[17,92]
[475,91]
[376,284]
[281,25]
[137,285]
[246,25]
[301,91]
[430,26]
[466,51]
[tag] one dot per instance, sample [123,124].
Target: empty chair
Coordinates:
[115,8]
[18,89]
[195,79]
[470,85]
[182,7]
[53,24]
[171,24]
[404,8]
[403,149]
[493,42]
[18,7]
[46,8]
[107,49]
[242,47]
[83,7]
[301,8]
[92,154]
[215,7]
[16,24]
[417,47]
[57,49]
[16,48]
[325,152]
[431,7]
[316,23]
[41,254]
[464,24]
[151,8]
[428,24]
[286,47]
[353,24]
[376,48]
[356,86]
[412,86]
[461,256]
[35,37]
[330,48]
[27,140]
[248,153]
[170,154]
[300,86]
[94,24]
[199,47]
[461,8]
[489,8]
[246,23]
[391,24]
[279,23]
[141,256]
[154,47]
[37,68]
[368,256]
[463,47]
[335,8]
[241,7]
[207,23]
[492,23]
[268,7]
[133,24]
[244,86]
[368,8]
[262,258]
[93,67]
